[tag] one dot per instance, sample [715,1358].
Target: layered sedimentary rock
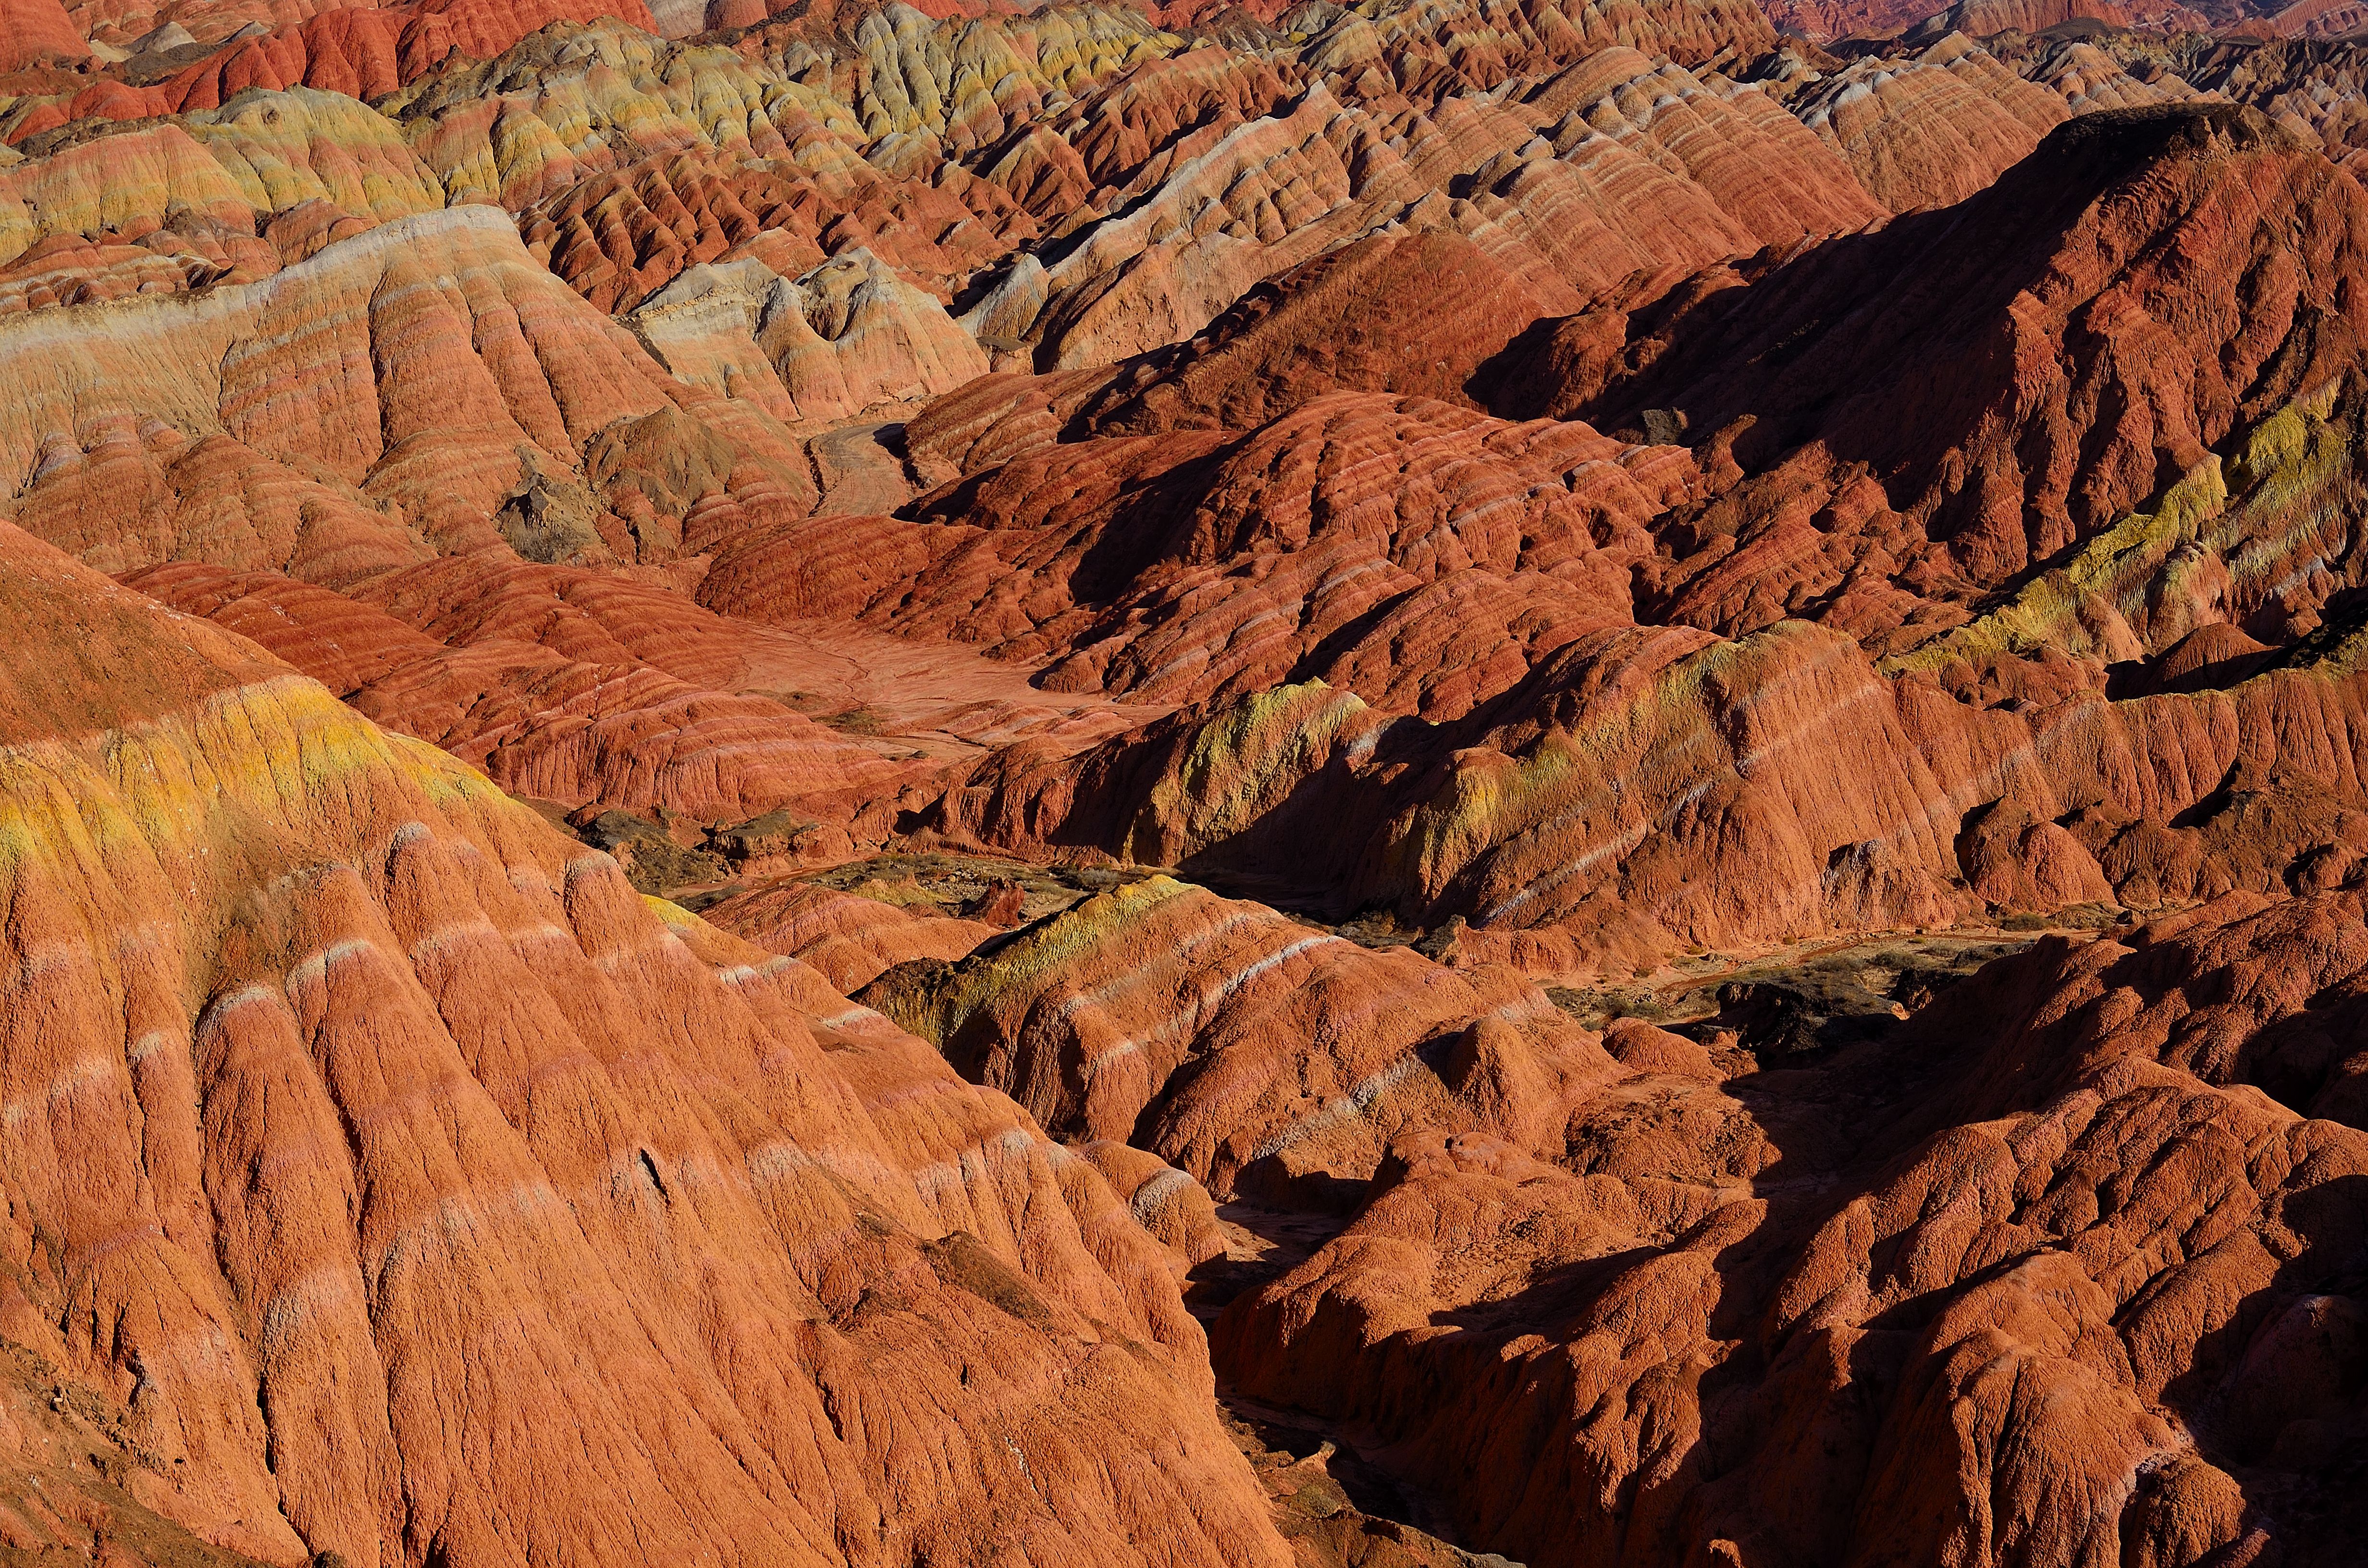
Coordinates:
[364,52]
[1645,790]
[847,938]
[848,335]
[1254,1055]
[1823,21]
[223,195]
[2078,1289]
[1375,528]
[2091,79]
[2312,89]
[455,392]
[601,723]
[1042,174]
[2019,487]
[1639,788]
[1609,168]
[37,32]
[1931,130]
[1364,675]
[362,1126]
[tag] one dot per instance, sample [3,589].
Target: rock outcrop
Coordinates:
[1258,1057]
[846,937]
[37,32]
[1373,787]
[1656,786]
[453,390]
[2078,1288]
[1997,476]
[1932,130]
[363,1128]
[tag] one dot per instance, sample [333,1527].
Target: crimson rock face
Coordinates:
[1180,785]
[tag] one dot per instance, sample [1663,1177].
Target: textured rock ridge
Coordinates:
[1643,1350]
[1306,1052]
[448,375]
[1404,786]
[1592,777]
[751,1191]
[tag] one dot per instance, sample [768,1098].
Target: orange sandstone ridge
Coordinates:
[1550,782]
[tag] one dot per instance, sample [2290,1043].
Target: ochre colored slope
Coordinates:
[1212,784]
[2076,1289]
[363,1128]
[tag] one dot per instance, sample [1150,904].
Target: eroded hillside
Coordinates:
[1370,787]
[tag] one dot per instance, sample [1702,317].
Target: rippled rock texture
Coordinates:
[1543,781]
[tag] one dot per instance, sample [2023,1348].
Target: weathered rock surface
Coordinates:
[847,938]
[38,32]
[458,398]
[605,1174]
[1658,786]
[573,716]
[1405,653]
[2079,1287]
[1823,21]
[1259,1057]
[2019,485]
[848,336]
[1932,130]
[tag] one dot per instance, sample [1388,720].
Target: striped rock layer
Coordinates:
[348,1152]
[1428,524]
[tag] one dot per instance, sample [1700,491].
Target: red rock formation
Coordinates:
[2071,1290]
[368,52]
[1931,130]
[1986,19]
[1651,168]
[2089,79]
[619,238]
[2043,436]
[360,50]
[1434,51]
[1258,1057]
[1823,20]
[2313,90]
[2304,19]
[1642,791]
[1153,117]
[352,1152]
[1548,490]
[1635,790]
[1416,315]
[503,412]
[1373,526]
[841,339]
[600,727]
[36,33]
[846,938]
[64,1456]
[246,190]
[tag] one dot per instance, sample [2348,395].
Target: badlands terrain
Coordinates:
[1444,782]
